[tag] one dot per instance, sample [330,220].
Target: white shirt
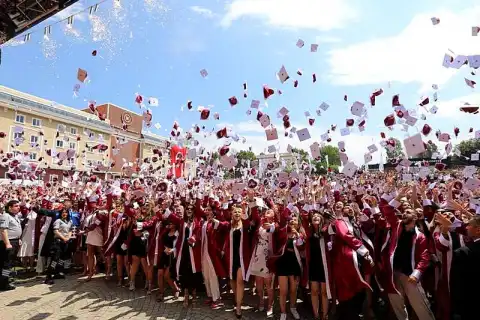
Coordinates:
[94,237]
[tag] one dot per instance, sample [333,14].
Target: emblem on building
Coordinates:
[127,118]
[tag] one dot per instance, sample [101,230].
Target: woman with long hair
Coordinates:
[212,267]
[122,227]
[262,248]
[237,252]
[317,264]
[188,267]
[166,263]
[289,265]
[137,248]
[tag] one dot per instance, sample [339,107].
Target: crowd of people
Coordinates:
[347,244]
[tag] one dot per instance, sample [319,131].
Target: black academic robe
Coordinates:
[465,282]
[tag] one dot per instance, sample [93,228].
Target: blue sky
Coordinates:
[157,48]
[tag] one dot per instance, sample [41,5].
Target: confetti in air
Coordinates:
[157,8]
[73,34]
[13,43]
[99,30]
[49,49]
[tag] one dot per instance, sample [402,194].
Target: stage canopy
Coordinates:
[17,16]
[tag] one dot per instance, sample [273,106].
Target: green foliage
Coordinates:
[431,149]
[215,156]
[333,155]
[304,156]
[246,155]
[288,168]
[321,166]
[397,152]
[467,147]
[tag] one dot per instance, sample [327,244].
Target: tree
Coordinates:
[246,155]
[243,157]
[397,152]
[431,149]
[467,147]
[302,153]
[333,155]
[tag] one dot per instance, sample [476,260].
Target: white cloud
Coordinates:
[309,14]
[75,8]
[207,13]
[414,55]
[451,108]
[327,39]
[248,127]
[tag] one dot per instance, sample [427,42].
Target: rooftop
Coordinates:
[29,103]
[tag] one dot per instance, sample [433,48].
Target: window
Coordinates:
[61,128]
[53,178]
[89,148]
[33,156]
[70,161]
[59,143]
[91,135]
[36,122]
[33,139]
[20,118]
[17,135]
[72,145]
[16,153]
[73,130]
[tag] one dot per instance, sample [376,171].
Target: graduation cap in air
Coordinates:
[267,92]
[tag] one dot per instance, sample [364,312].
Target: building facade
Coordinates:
[287,160]
[37,127]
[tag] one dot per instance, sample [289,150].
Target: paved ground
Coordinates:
[71,299]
